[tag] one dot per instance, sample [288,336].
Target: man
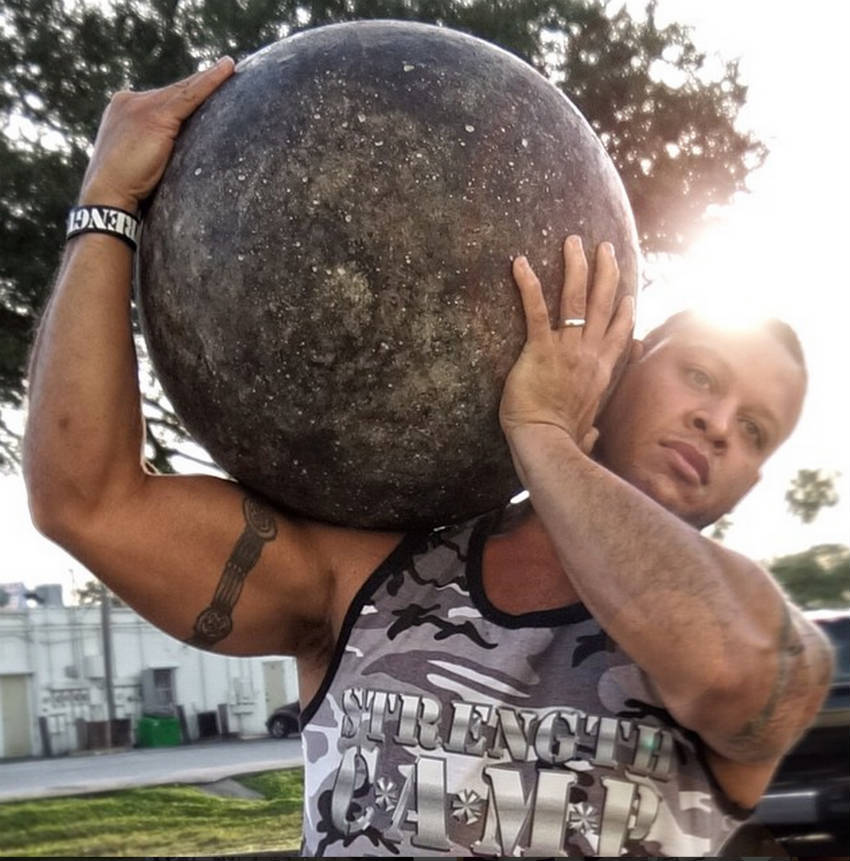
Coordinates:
[594,678]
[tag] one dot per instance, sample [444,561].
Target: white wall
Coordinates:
[59,651]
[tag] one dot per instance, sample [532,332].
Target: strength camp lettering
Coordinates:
[103,218]
[527,811]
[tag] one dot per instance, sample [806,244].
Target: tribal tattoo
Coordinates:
[216,622]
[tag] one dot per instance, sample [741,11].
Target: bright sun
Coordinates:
[731,279]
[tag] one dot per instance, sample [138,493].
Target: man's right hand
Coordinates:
[137,134]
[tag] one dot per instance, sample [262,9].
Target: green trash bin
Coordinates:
[158,731]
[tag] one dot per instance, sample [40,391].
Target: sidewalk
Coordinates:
[104,771]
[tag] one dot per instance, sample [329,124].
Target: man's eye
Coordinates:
[698,378]
[751,429]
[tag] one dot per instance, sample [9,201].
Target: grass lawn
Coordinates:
[161,820]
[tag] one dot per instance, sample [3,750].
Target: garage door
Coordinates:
[15,716]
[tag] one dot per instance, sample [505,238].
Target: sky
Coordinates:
[781,248]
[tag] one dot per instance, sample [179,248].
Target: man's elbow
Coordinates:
[67,494]
[54,514]
[45,509]
[61,509]
[46,498]
[747,723]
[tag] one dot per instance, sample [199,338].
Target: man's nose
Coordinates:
[715,422]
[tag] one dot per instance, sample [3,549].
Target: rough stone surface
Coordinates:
[325,280]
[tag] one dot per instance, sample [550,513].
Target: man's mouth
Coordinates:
[693,461]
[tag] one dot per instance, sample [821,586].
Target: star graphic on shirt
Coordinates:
[467,806]
[385,794]
[584,819]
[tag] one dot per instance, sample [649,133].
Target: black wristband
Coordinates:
[104,219]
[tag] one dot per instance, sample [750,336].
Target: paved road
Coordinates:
[197,763]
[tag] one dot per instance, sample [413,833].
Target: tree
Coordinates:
[91,593]
[810,491]
[668,123]
[817,577]
[720,527]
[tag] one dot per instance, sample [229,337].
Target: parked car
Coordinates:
[284,720]
[807,805]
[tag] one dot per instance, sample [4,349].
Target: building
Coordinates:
[53,689]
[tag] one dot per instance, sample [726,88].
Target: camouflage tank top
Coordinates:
[447,727]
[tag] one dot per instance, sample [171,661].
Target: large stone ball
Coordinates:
[325,281]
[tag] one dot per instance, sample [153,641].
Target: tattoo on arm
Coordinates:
[789,648]
[216,622]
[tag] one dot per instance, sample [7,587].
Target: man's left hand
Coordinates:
[562,373]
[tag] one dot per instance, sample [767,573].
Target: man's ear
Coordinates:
[636,352]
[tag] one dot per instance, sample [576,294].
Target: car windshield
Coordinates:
[838,631]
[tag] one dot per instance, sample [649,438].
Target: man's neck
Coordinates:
[521,571]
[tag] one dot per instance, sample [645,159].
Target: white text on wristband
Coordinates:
[104,219]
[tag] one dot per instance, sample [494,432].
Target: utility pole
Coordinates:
[106,636]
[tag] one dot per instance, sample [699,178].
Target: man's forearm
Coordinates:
[710,628]
[84,428]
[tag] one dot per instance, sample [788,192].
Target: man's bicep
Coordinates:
[209,564]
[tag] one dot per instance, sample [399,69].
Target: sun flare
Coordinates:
[729,280]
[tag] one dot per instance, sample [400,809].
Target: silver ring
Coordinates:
[571,322]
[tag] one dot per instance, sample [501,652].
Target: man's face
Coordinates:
[693,420]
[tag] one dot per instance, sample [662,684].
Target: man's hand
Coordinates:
[137,134]
[562,373]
